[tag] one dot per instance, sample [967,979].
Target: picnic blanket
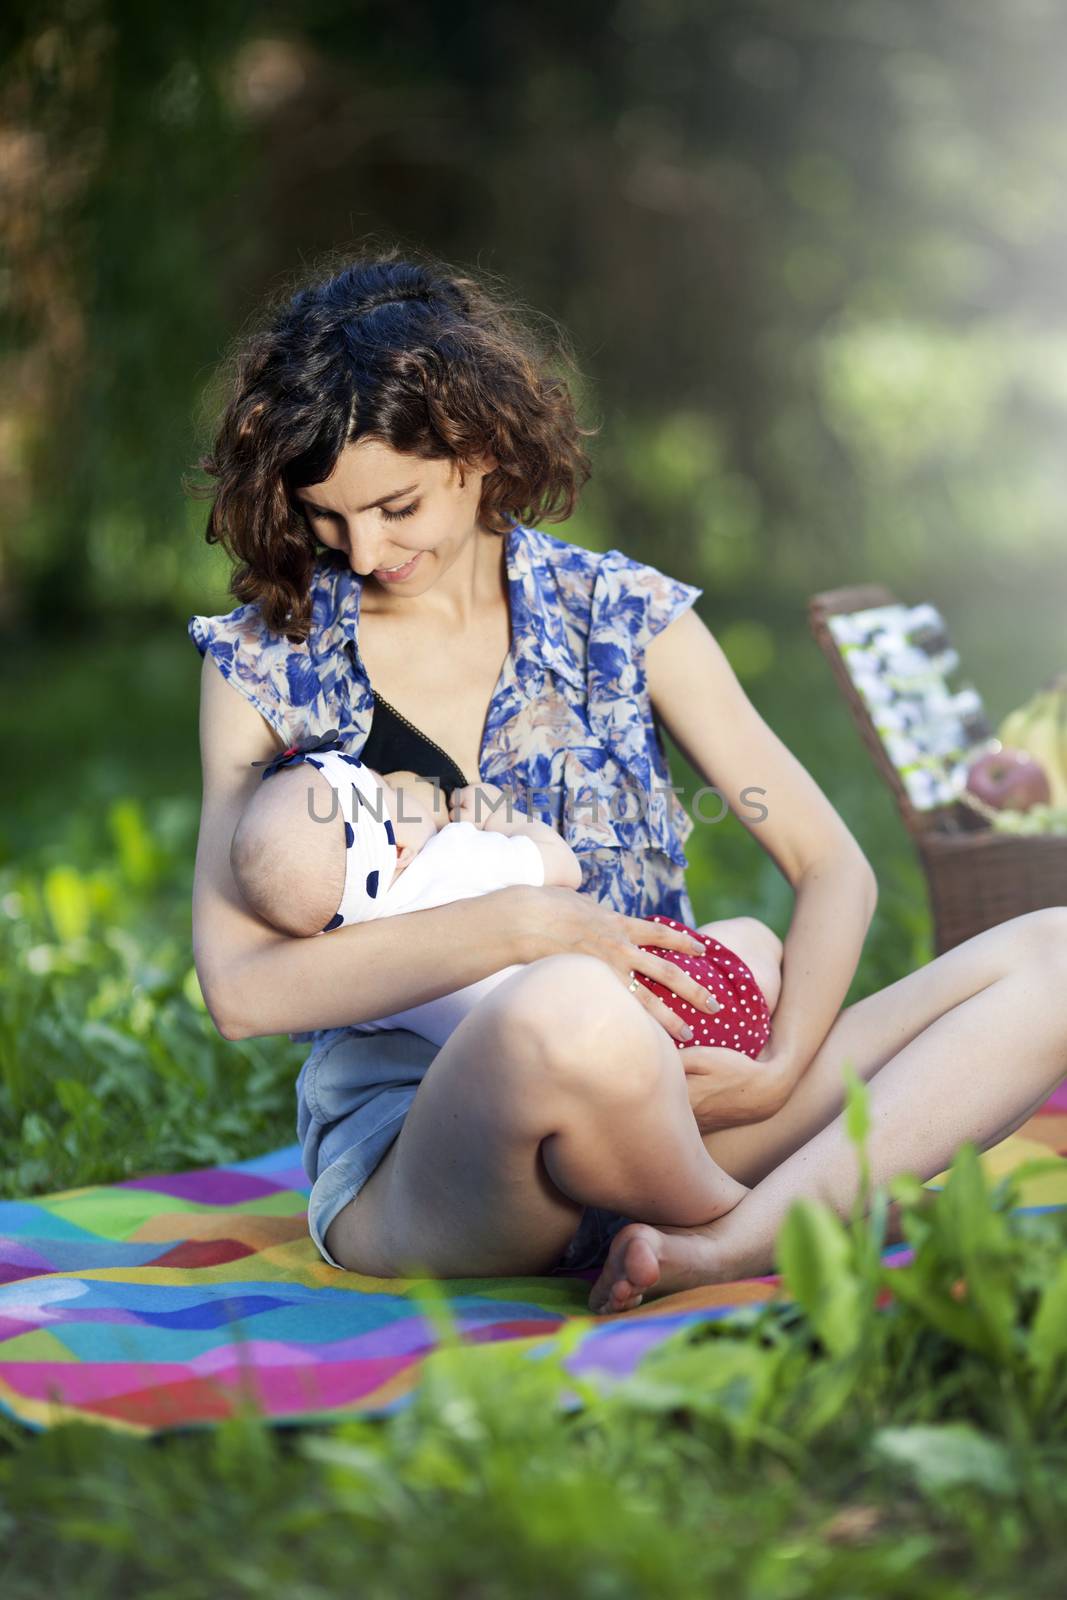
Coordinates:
[173,1301]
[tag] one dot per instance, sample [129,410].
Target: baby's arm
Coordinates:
[486,806]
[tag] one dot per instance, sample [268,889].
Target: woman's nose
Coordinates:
[364,552]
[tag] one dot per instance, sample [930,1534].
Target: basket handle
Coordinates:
[863,597]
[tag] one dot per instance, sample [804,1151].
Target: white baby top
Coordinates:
[457,862]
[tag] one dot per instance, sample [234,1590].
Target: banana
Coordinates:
[1012,730]
[1061,689]
[1059,739]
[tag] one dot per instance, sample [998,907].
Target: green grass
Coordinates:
[823,1448]
[827,1448]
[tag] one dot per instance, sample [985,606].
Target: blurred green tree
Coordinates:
[811,256]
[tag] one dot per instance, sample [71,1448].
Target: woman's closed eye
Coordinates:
[390,516]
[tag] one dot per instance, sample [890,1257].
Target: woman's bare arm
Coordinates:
[257,981]
[722,735]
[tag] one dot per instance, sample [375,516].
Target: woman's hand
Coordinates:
[556,921]
[728,1089]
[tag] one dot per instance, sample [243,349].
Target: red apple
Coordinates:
[1009,780]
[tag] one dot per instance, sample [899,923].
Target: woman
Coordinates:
[386,429]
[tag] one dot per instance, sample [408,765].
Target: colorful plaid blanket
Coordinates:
[173,1301]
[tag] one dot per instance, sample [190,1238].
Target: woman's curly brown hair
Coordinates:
[401,348]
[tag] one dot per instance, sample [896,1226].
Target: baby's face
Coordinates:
[410,802]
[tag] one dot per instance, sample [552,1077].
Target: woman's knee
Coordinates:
[1042,937]
[581,1028]
[1052,941]
[561,1000]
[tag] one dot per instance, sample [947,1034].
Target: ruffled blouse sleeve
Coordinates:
[273,675]
[631,602]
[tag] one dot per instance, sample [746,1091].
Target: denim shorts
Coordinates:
[352,1095]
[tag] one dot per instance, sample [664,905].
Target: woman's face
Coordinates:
[384,509]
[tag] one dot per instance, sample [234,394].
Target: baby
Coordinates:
[329,842]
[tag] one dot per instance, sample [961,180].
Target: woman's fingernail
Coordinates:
[687,1032]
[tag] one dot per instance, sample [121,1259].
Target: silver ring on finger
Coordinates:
[632,985]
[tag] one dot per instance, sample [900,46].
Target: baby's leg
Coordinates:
[759,948]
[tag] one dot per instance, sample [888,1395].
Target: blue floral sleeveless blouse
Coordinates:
[570,730]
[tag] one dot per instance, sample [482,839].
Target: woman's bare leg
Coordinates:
[557,1091]
[961,1050]
[871,1031]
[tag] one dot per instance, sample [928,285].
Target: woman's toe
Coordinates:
[631,1269]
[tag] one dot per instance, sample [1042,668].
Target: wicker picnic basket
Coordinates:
[976,876]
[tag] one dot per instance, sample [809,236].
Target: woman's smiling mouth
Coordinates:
[397,574]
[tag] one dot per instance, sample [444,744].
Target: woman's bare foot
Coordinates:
[644,1260]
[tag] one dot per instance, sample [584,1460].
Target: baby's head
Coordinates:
[321,840]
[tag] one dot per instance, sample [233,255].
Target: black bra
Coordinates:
[395,745]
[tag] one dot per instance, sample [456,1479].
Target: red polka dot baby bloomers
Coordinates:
[743,1020]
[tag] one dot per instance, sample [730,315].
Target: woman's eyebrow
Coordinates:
[384,501]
